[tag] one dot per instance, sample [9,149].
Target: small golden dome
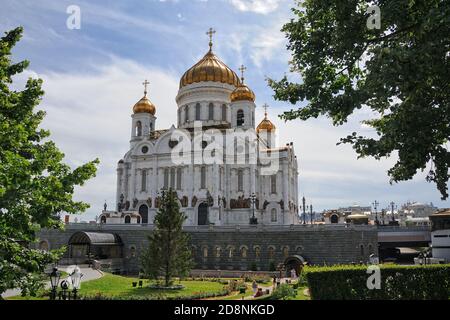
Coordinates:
[242,92]
[144,105]
[210,68]
[265,125]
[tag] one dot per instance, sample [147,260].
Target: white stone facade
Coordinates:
[217,193]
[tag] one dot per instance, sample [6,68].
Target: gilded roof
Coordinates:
[210,68]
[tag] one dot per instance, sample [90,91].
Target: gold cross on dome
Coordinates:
[210,33]
[265,106]
[242,69]
[145,83]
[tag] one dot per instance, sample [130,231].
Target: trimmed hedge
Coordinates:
[430,282]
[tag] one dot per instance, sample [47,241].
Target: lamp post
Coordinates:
[375,206]
[253,219]
[311,213]
[54,281]
[304,210]
[75,277]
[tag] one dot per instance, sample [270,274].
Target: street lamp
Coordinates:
[54,281]
[64,287]
[375,206]
[253,219]
[75,277]
[311,212]
[304,210]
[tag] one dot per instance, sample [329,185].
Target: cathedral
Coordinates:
[226,170]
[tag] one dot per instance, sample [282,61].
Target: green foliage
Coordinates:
[397,283]
[283,292]
[399,72]
[168,254]
[35,186]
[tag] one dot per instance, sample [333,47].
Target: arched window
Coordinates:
[361,248]
[240,118]
[205,252]
[127,219]
[197,111]
[244,252]
[138,129]
[103,219]
[240,180]
[186,114]
[273,183]
[172,178]
[271,252]
[334,218]
[179,176]
[203,178]
[224,112]
[230,252]
[144,180]
[273,215]
[286,252]
[211,111]
[218,252]
[370,249]
[166,178]
[257,252]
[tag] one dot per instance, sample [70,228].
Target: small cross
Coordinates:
[265,106]
[242,70]
[210,33]
[145,83]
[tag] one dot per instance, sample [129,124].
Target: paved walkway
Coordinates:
[88,274]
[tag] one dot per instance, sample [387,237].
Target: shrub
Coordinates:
[283,292]
[397,283]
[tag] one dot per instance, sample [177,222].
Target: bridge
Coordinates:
[394,236]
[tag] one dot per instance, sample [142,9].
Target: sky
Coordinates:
[93,76]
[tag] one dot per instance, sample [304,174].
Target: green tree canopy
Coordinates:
[168,253]
[35,186]
[399,71]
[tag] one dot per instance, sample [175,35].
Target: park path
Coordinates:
[88,274]
[270,288]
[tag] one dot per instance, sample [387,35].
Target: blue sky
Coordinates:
[92,78]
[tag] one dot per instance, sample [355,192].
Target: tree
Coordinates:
[35,186]
[400,72]
[168,253]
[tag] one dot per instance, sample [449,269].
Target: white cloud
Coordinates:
[257,6]
[89,116]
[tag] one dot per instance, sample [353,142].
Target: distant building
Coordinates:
[440,235]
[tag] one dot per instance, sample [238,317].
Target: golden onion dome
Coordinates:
[144,105]
[210,68]
[242,92]
[265,125]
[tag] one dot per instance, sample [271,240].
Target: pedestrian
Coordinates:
[254,287]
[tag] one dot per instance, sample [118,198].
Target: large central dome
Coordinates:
[210,68]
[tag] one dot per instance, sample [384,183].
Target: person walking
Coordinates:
[254,287]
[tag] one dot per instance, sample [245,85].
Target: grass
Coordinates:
[119,286]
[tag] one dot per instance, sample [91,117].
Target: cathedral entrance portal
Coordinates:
[143,211]
[203,214]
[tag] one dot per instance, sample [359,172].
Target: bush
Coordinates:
[397,283]
[283,292]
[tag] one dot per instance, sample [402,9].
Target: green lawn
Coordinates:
[119,286]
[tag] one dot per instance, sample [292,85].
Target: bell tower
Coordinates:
[143,119]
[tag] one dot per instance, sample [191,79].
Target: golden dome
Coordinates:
[210,68]
[265,125]
[144,105]
[242,92]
